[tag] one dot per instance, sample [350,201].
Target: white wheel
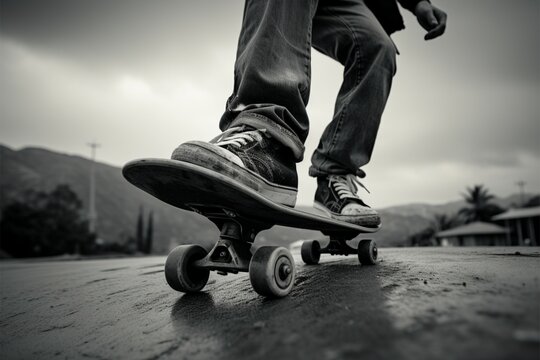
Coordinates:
[271,271]
[311,252]
[367,252]
[180,273]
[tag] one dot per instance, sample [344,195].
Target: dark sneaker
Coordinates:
[249,156]
[336,197]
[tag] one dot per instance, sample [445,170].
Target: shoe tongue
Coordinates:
[239,136]
[249,128]
[342,182]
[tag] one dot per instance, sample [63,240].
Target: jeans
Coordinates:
[272,77]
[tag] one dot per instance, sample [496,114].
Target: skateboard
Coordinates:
[240,213]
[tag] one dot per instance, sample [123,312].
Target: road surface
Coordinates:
[417,303]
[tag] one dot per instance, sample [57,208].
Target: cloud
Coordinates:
[52,102]
[109,35]
[480,125]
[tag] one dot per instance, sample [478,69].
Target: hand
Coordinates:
[430,18]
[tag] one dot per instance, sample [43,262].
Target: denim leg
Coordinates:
[272,71]
[347,31]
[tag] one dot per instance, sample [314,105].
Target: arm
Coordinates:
[429,17]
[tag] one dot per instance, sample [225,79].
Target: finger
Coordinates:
[432,19]
[440,28]
[429,21]
[441,17]
[435,32]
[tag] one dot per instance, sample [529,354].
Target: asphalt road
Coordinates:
[417,303]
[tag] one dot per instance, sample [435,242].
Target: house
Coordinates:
[524,225]
[474,234]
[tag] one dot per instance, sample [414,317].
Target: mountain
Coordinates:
[450,208]
[118,203]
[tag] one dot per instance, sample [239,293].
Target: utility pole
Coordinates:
[92,214]
[521,185]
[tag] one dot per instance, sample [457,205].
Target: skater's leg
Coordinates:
[347,31]
[265,123]
[272,71]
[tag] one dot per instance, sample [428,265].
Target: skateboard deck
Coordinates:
[240,213]
[192,187]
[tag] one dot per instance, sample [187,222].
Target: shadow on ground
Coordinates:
[336,310]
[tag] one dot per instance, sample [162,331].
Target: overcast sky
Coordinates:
[141,77]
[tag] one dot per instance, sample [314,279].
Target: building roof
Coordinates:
[522,213]
[474,228]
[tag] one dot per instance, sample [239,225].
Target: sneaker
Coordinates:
[249,156]
[336,197]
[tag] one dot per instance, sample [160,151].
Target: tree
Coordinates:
[442,222]
[533,202]
[44,224]
[480,207]
[149,233]
[424,237]
[139,235]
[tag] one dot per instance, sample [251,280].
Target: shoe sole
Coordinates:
[361,220]
[202,154]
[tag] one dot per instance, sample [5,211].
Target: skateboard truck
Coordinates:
[367,250]
[231,253]
[338,247]
[271,268]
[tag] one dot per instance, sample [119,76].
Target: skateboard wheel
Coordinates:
[272,271]
[367,252]
[180,272]
[311,252]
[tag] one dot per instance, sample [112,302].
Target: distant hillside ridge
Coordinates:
[449,208]
[118,203]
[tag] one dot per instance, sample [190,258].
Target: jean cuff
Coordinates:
[286,137]
[316,172]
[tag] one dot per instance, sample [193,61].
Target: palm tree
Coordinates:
[532,202]
[439,222]
[480,207]
[442,222]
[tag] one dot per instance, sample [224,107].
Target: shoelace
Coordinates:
[345,185]
[236,137]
